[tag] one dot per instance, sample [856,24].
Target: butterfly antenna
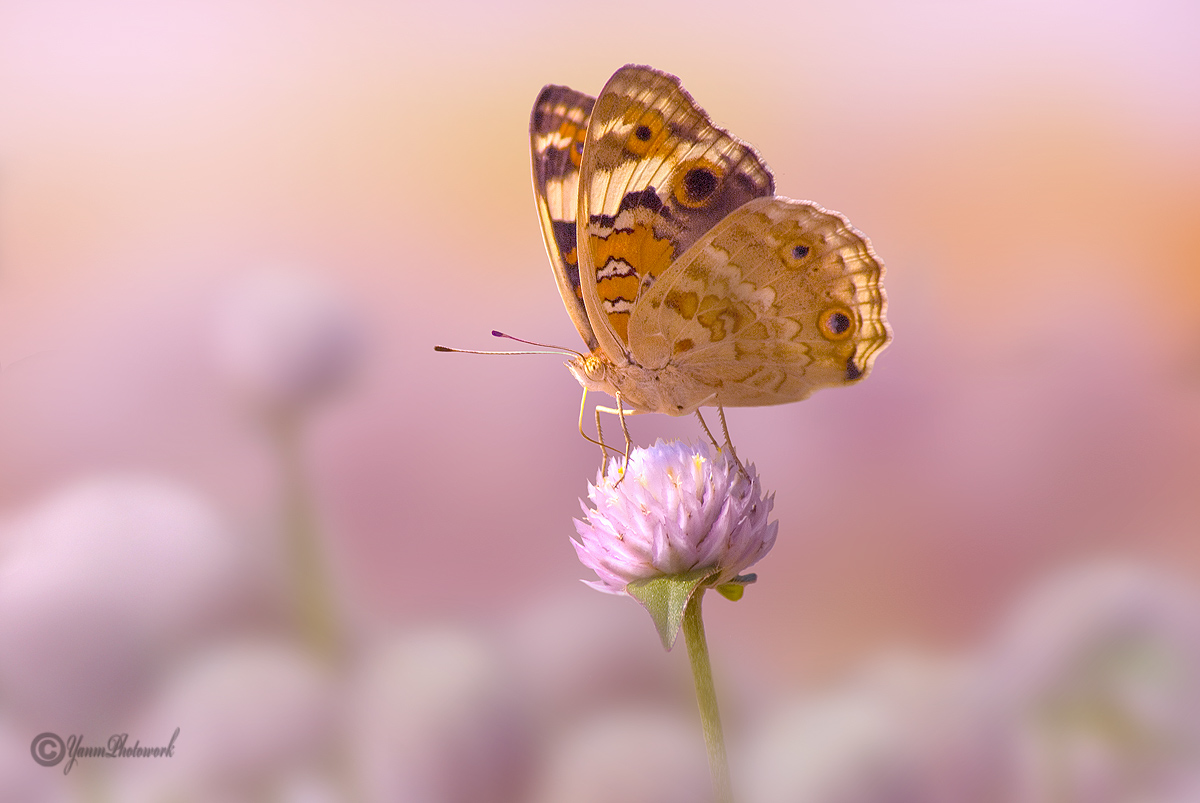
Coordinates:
[553,349]
[558,349]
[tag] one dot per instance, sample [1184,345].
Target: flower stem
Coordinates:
[706,696]
[315,612]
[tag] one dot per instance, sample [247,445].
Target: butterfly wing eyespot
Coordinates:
[837,323]
[795,254]
[648,133]
[697,182]
[576,148]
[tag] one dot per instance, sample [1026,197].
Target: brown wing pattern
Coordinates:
[656,175]
[557,127]
[782,298]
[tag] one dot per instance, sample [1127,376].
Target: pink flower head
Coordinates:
[679,509]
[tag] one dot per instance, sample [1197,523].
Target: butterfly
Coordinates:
[690,281]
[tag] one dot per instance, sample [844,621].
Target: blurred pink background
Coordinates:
[1028,172]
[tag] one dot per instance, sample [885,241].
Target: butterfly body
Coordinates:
[690,281]
[645,390]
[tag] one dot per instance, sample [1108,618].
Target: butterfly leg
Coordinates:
[620,412]
[625,430]
[707,431]
[728,442]
[725,430]
[600,440]
[589,438]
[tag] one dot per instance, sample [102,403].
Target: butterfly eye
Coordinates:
[593,367]
[836,323]
[697,182]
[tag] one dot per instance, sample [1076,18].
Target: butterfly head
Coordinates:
[592,371]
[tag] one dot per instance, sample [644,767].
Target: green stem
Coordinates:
[706,696]
[313,598]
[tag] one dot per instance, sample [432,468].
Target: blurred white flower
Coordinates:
[435,720]
[1100,667]
[286,340]
[907,730]
[678,508]
[1183,789]
[99,584]
[577,654]
[635,756]
[311,787]
[251,715]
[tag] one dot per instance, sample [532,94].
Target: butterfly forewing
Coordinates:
[656,175]
[556,132]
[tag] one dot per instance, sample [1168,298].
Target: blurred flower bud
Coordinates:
[435,720]
[634,756]
[577,654]
[1100,667]
[907,729]
[98,585]
[286,341]
[253,716]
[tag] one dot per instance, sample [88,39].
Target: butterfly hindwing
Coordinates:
[656,174]
[556,132]
[780,299]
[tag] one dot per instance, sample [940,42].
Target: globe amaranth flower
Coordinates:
[678,509]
